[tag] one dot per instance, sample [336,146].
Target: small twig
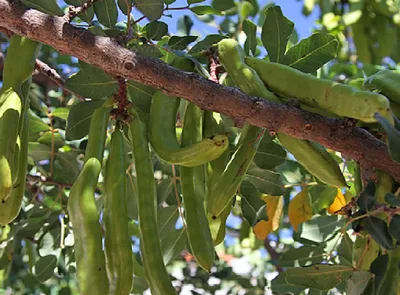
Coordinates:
[48,180]
[274,255]
[54,76]
[74,11]
[50,72]
[377,211]
[139,19]
[129,28]
[176,8]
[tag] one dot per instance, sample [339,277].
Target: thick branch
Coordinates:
[106,54]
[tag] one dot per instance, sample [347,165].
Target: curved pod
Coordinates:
[82,210]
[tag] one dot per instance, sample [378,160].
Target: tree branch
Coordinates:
[108,55]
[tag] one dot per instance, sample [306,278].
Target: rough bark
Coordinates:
[108,55]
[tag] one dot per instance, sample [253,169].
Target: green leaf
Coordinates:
[379,231]
[106,12]
[312,53]
[173,244]
[139,285]
[318,292]
[38,152]
[66,167]
[155,30]
[266,181]
[378,268]
[279,285]
[50,243]
[147,49]
[367,199]
[321,277]
[394,227]
[166,219]
[185,24]
[92,82]
[46,6]
[275,33]
[164,189]
[245,9]
[180,43]
[36,126]
[44,267]
[152,9]
[322,196]
[393,137]
[302,256]
[222,5]
[345,250]
[253,207]
[206,43]
[49,138]
[321,227]
[229,26]
[204,9]
[357,282]
[79,117]
[269,154]
[256,7]
[140,95]
[250,29]
[194,1]
[123,7]
[87,15]
[292,172]
[61,113]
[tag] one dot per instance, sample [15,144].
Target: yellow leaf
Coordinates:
[300,209]
[274,210]
[338,203]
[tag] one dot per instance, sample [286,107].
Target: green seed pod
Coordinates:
[117,242]
[155,270]
[334,97]
[193,188]
[82,210]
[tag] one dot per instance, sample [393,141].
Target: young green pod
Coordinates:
[90,261]
[10,113]
[155,270]
[193,188]
[117,242]
[162,135]
[162,131]
[20,61]
[221,192]
[82,210]
[11,206]
[18,67]
[387,82]
[334,97]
